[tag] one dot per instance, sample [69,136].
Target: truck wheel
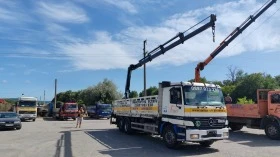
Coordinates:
[170,137]
[121,124]
[272,130]
[127,126]
[33,120]
[206,143]
[235,127]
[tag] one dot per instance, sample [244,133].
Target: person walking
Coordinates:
[80,117]
[228,99]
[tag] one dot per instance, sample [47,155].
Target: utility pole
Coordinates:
[44,96]
[144,52]
[55,85]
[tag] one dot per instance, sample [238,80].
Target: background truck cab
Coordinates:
[100,111]
[68,110]
[265,114]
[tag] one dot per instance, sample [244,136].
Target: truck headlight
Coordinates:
[16,122]
[2,122]
[225,134]
[194,136]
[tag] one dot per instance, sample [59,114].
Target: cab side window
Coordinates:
[175,95]
[275,98]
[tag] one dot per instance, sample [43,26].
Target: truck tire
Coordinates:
[121,124]
[33,120]
[235,126]
[206,143]
[272,131]
[127,126]
[170,137]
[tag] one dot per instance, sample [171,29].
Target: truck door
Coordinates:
[175,108]
[274,103]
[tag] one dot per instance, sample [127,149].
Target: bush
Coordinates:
[244,100]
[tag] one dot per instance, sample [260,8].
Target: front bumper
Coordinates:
[27,116]
[204,135]
[9,126]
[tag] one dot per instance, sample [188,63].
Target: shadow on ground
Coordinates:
[252,139]
[119,144]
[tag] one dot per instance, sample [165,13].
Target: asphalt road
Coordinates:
[97,138]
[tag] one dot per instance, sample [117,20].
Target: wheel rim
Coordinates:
[272,130]
[169,136]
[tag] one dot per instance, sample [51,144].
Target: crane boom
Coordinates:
[237,31]
[166,47]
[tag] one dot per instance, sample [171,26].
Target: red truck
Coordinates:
[264,114]
[68,111]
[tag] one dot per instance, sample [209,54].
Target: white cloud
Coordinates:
[56,28]
[119,50]
[4,81]
[11,12]
[66,12]
[100,54]
[123,4]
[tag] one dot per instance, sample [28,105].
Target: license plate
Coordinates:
[9,124]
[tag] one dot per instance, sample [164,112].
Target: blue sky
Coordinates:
[81,42]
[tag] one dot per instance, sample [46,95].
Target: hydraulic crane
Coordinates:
[181,37]
[237,31]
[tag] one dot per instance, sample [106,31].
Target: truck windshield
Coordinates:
[27,103]
[203,96]
[105,107]
[72,106]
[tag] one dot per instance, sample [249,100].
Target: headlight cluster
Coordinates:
[17,122]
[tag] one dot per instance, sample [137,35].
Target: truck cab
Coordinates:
[100,111]
[264,114]
[68,111]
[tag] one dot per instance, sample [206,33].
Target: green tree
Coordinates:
[250,83]
[202,79]
[153,90]
[103,92]
[277,79]
[133,94]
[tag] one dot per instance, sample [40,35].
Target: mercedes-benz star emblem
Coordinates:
[211,122]
[197,123]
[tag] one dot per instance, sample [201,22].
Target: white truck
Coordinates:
[185,111]
[26,107]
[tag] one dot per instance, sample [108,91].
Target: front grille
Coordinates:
[208,123]
[27,112]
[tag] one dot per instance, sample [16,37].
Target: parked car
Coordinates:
[10,120]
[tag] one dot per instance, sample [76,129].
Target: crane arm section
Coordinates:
[179,39]
[237,31]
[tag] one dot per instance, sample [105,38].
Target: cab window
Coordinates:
[275,98]
[175,95]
